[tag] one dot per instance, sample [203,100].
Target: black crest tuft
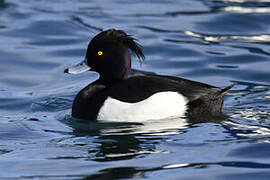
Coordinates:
[128,40]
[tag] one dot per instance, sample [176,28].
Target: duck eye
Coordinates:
[100,53]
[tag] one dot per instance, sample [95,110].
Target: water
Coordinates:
[214,41]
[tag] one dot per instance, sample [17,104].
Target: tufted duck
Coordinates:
[119,95]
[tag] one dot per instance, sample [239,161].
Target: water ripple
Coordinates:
[242,1]
[223,38]
[239,9]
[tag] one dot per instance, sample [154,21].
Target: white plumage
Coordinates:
[158,106]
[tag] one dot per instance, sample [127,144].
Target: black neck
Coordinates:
[108,81]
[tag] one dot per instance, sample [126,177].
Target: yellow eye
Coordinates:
[100,53]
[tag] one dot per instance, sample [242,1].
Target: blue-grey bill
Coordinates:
[78,68]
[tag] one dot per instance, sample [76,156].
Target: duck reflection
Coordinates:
[119,147]
[121,141]
[113,173]
[3,4]
[131,172]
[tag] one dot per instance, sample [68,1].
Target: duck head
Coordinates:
[108,53]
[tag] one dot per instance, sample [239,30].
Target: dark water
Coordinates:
[214,41]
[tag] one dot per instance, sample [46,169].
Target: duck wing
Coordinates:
[140,87]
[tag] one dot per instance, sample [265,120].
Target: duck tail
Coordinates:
[225,90]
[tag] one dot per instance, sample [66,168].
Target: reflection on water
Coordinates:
[244,1]
[133,172]
[238,9]
[119,141]
[157,127]
[221,38]
[250,131]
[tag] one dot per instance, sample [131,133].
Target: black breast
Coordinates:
[88,102]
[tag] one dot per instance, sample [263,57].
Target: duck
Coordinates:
[125,94]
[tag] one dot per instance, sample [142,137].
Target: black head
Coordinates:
[108,54]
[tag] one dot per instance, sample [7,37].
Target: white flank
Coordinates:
[158,106]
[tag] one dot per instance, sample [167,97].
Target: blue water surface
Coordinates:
[220,42]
